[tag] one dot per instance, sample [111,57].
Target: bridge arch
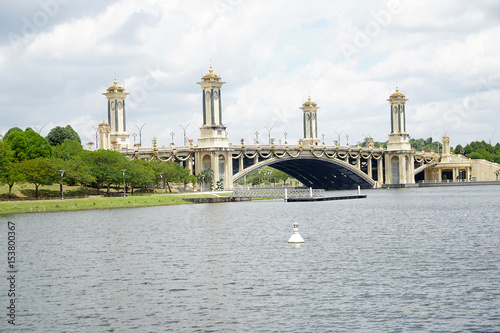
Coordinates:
[329,174]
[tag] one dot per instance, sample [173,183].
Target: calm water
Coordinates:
[401,260]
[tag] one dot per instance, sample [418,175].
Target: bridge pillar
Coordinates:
[240,160]
[189,162]
[369,169]
[399,155]
[380,171]
[358,162]
[403,168]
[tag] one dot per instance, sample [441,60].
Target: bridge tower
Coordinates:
[116,115]
[213,146]
[310,123]
[399,167]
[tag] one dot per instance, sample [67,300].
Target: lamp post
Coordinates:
[134,135]
[96,138]
[184,130]
[347,138]
[323,136]
[257,137]
[140,133]
[285,136]
[338,135]
[172,134]
[62,179]
[162,183]
[268,173]
[269,132]
[123,170]
[39,130]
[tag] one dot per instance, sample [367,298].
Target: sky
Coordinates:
[57,57]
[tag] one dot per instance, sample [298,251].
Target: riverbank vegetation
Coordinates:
[28,158]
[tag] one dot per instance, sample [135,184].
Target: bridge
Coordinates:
[314,164]
[324,167]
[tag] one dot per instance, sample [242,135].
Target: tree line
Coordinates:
[480,150]
[27,157]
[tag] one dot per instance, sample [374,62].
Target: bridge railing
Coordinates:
[278,193]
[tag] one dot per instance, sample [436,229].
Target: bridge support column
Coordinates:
[369,170]
[402,170]
[256,159]
[228,177]
[215,166]
[240,160]
[380,171]
[189,162]
[455,173]
[358,162]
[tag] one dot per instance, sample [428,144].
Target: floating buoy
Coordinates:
[296,238]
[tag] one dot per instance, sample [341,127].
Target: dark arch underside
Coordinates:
[317,173]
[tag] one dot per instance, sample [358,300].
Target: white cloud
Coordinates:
[272,56]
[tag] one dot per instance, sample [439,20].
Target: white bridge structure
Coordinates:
[315,165]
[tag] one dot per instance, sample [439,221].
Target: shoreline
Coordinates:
[14,207]
[96,203]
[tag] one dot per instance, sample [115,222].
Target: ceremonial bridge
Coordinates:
[311,162]
[326,167]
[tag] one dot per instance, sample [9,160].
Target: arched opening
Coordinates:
[206,162]
[222,168]
[395,170]
[317,173]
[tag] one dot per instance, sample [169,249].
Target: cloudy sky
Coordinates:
[57,57]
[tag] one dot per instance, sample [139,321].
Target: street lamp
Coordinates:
[338,134]
[123,170]
[285,136]
[172,134]
[162,183]
[347,138]
[269,132]
[96,138]
[62,179]
[39,130]
[140,133]
[257,137]
[269,172]
[184,130]
[134,135]
[323,135]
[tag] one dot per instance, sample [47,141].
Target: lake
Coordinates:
[412,260]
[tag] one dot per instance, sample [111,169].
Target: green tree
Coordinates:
[58,134]
[8,171]
[78,169]
[28,145]
[38,171]
[475,156]
[12,130]
[206,177]
[138,173]
[170,172]
[459,149]
[67,150]
[105,166]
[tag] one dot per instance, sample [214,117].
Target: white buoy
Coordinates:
[296,238]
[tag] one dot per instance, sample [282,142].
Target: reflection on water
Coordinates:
[412,260]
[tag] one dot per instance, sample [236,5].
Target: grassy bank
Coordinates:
[92,202]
